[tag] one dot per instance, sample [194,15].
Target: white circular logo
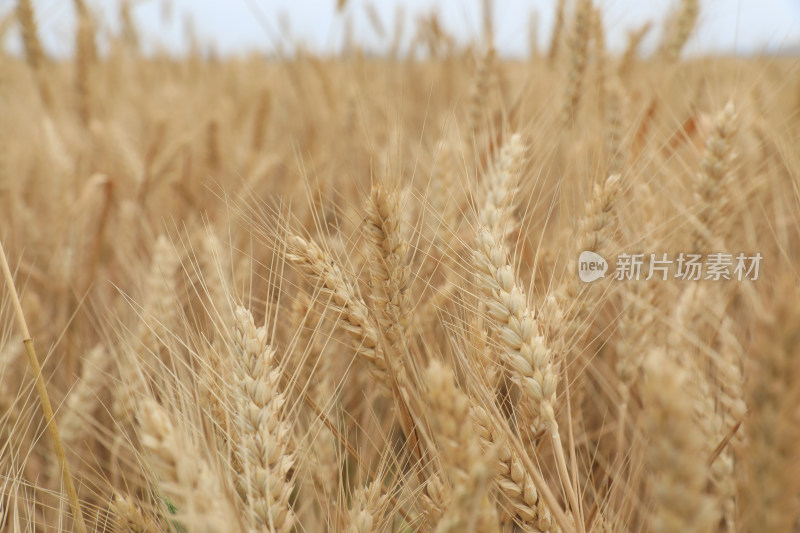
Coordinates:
[591,266]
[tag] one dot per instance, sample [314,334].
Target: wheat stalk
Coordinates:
[44,397]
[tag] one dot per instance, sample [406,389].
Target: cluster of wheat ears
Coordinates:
[341,293]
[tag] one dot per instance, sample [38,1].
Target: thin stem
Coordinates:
[44,399]
[561,464]
[573,460]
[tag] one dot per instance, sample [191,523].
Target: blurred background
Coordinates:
[742,27]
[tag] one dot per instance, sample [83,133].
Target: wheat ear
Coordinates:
[443,205]
[680,29]
[479,91]
[565,309]
[365,512]
[726,408]
[558,28]
[182,474]
[614,111]
[714,174]
[578,51]
[676,449]
[468,468]
[497,213]
[513,480]
[434,499]
[159,305]
[771,486]
[389,274]
[130,34]
[635,38]
[85,53]
[264,449]
[316,263]
[33,48]
[159,310]
[525,352]
[130,516]
[82,400]
[213,155]
[260,120]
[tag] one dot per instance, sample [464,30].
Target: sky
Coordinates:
[243,26]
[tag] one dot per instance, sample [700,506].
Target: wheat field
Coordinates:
[348,292]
